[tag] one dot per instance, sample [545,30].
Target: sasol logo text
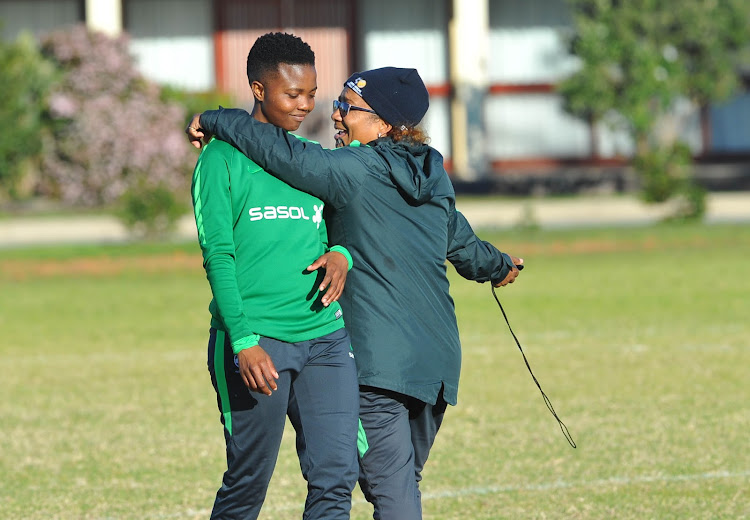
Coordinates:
[281,212]
[274,212]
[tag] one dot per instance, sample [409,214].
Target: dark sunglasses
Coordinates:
[344,108]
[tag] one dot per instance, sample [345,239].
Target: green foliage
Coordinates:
[26,78]
[150,211]
[153,211]
[665,173]
[196,102]
[639,59]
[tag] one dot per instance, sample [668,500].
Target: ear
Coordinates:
[258,90]
[384,128]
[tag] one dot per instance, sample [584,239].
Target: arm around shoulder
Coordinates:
[334,176]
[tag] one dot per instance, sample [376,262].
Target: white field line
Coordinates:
[561,484]
[491,490]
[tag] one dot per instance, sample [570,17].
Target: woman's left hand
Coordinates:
[513,274]
[337,267]
[196,135]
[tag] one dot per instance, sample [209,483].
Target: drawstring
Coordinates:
[564,428]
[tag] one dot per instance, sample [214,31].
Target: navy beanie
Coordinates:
[397,95]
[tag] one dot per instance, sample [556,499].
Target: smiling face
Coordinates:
[357,124]
[285,97]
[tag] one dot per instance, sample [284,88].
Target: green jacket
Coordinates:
[258,235]
[393,207]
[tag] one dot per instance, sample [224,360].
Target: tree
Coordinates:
[112,139]
[639,59]
[26,78]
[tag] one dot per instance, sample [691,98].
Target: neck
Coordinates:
[258,114]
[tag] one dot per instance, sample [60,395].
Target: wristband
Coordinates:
[245,343]
[344,251]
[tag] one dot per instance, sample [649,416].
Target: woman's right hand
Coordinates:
[257,370]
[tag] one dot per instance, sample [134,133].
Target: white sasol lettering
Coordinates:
[255,214]
[297,213]
[281,212]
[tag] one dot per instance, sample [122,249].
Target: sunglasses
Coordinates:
[344,108]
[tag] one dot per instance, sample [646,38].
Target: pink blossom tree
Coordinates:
[113,140]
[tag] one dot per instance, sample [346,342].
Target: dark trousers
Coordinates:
[395,438]
[317,390]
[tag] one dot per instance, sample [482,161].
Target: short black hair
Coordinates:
[272,49]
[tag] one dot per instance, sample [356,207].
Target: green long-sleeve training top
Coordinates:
[258,235]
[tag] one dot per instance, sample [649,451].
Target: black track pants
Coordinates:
[396,435]
[317,389]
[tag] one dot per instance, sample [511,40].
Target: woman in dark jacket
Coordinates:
[390,202]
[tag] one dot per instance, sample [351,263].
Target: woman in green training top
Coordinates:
[277,343]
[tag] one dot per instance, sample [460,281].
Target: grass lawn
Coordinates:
[640,337]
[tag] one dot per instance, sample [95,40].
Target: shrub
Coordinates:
[666,174]
[26,78]
[150,211]
[111,135]
[664,171]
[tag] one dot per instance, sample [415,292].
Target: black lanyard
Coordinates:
[564,428]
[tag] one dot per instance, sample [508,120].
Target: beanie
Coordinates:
[397,95]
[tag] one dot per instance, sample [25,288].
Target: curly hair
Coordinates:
[410,135]
[273,49]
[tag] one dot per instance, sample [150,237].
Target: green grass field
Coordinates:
[640,337]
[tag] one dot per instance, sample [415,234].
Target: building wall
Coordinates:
[525,38]
[411,38]
[326,25]
[525,116]
[203,44]
[172,41]
[730,125]
[524,113]
[37,16]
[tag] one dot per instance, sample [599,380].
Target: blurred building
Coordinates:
[490,65]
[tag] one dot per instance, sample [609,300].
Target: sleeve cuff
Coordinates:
[344,251]
[245,343]
[502,270]
[208,119]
